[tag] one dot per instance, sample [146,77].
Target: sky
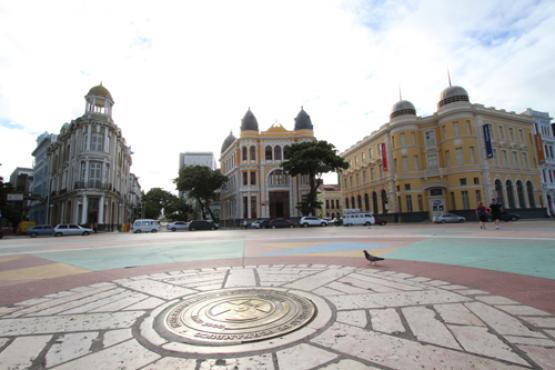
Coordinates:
[183,73]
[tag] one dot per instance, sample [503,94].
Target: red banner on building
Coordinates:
[384,157]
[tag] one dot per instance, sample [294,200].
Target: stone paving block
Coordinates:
[159,276]
[240,278]
[399,353]
[532,341]
[3,341]
[104,285]
[402,275]
[454,287]
[477,340]
[541,322]
[32,302]
[121,302]
[8,310]
[326,291]
[427,328]
[551,332]
[544,357]
[521,310]
[456,313]
[262,362]
[147,304]
[89,304]
[368,285]
[68,323]
[112,337]
[83,289]
[500,321]
[346,288]
[472,292]
[21,353]
[126,355]
[355,318]
[493,299]
[303,356]
[172,363]
[437,283]
[317,280]
[157,288]
[70,346]
[397,299]
[379,282]
[206,288]
[387,321]
[347,365]
[61,294]
[420,279]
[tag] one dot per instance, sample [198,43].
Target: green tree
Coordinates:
[156,200]
[312,158]
[200,183]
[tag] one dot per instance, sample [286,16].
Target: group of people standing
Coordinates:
[483,213]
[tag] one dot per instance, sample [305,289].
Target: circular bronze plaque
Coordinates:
[238,316]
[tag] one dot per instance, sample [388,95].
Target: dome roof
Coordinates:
[302,121]
[452,94]
[402,107]
[249,122]
[228,141]
[101,91]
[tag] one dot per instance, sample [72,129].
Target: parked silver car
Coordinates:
[178,225]
[71,229]
[307,221]
[449,218]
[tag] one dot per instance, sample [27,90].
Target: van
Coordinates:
[146,226]
[353,216]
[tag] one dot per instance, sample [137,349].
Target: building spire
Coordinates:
[449,77]
[400,94]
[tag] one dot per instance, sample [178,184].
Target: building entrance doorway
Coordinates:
[279,204]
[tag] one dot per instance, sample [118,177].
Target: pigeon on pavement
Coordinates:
[371,258]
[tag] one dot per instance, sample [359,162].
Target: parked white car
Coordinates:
[71,229]
[177,225]
[357,217]
[312,221]
[145,226]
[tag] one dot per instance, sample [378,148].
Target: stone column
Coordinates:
[85,209]
[101,211]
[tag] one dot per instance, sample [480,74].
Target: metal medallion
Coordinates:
[238,316]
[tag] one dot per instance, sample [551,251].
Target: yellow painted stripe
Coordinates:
[49,271]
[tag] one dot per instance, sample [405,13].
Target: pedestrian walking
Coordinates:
[482,214]
[495,208]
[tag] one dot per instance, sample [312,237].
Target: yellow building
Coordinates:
[414,168]
[257,186]
[332,201]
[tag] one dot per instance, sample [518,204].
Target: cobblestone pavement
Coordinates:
[367,318]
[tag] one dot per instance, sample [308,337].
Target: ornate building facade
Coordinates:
[257,185]
[414,168]
[40,185]
[89,168]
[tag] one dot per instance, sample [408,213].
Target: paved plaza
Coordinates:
[446,297]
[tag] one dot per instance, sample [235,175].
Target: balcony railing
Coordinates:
[93,184]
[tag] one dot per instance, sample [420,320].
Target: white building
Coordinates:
[545,144]
[197,159]
[41,180]
[89,167]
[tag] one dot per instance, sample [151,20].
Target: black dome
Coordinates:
[249,122]
[302,121]
[401,108]
[228,141]
[452,94]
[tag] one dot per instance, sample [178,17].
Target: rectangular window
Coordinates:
[407,187]
[515,160]
[453,203]
[253,206]
[327,203]
[83,171]
[97,141]
[420,203]
[364,175]
[472,154]
[505,159]
[521,134]
[478,196]
[456,130]
[447,159]
[465,200]
[245,178]
[337,204]
[245,206]
[372,173]
[495,157]
[415,163]
[431,160]
[402,140]
[501,133]
[409,203]
[468,128]
[370,154]
[405,164]
[512,134]
[443,132]
[476,181]
[95,170]
[462,181]
[460,156]
[430,138]
[525,159]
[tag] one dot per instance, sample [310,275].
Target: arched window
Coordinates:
[384,201]
[253,153]
[278,178]
[520,194]
[346,202]
[359,201]
[499,192]
[530,190]
[244,153]
[268,152]
[277,153]
[374,202]
[510,194]
[366,202]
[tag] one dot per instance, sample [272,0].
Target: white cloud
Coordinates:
[183,73]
